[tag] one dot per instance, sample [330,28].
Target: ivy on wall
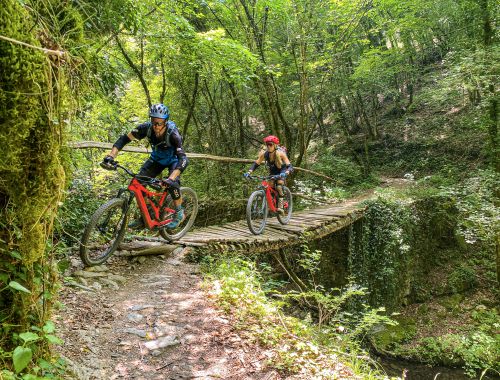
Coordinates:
[379,251]
[395,246]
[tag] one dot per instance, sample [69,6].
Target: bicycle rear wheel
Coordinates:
[190,205]
[257,212]
[104,232]
[287,206]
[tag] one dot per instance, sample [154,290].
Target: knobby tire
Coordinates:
[257,206]
[190,204]
[96,229]
[284,219]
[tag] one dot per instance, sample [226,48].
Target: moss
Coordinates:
[451,303]
[391,337]
[31,171]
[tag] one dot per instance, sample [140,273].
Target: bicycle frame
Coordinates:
[143,195]
[271,194]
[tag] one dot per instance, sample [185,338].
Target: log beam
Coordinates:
[210,157]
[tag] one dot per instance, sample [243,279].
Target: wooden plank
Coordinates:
[228,230]
[277,230]
[237,227]
[294,229]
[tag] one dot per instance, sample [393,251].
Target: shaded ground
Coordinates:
[107,332]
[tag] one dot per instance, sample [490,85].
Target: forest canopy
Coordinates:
[354,89]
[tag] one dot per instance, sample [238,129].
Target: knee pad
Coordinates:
[279,189]
[175,190]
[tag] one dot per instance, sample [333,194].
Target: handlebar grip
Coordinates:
[107,166]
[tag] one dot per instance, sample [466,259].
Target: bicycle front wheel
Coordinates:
[104,232]
[257,212]
[287,206]
[190,206]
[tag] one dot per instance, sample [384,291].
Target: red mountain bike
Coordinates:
[263,201]
[107,227]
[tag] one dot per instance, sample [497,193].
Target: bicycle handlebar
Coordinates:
[259,177]
[154,182]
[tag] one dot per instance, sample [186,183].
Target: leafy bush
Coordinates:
[462,278]
[476,352]
[80,203]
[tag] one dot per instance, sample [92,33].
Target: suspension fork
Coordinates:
[129,199]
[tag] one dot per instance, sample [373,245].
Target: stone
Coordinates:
[98,268]
[132,330]
[165,341]
[110,283]
[135,317]
[389,337]
[87,274]
[156,353]
[97,286]
[451,302]
[140,307]
[117,278]
[141,259]
[75,263]
[158,284]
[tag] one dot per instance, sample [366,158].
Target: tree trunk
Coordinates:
[136,70]
[239,118]
[191,105]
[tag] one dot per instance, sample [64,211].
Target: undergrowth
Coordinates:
[316,351]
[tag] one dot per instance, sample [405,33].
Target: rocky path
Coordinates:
[148,318]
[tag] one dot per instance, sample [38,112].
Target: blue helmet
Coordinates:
[160,111]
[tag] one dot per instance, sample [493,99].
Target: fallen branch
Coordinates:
[46,51]
[210,157]
[152,250]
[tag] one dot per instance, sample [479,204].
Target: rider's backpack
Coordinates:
[281,148]
[171,127]
[284,150]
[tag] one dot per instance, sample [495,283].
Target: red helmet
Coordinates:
[272,139]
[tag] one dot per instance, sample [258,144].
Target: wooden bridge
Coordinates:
[313,224]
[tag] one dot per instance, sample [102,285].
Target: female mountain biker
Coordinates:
[278,163]
[167,152]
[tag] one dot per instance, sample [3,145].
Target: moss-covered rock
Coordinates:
[452,302]
[390,337]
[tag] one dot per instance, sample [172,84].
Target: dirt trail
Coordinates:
[119,333]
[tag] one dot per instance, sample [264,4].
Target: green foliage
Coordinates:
[29,344]
[462,278]
[299,345]
[379,251]
[476,352]
[81,201]
[477,201]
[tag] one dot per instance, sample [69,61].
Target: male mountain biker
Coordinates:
[277,162]
[167,152]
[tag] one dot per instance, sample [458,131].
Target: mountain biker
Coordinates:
[278,163]
[167,152]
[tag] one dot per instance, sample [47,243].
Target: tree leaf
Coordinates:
[17,286]
[49,327]
[21,358]
[29,336]
[53,339]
